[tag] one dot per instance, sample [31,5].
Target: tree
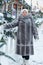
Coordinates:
[1,2]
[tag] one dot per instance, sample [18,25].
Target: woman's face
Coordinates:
[24,13]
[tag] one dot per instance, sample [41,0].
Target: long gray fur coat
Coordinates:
[26,30]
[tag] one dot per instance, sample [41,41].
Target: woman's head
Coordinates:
[24,12]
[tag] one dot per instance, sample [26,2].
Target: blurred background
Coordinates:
[9,12]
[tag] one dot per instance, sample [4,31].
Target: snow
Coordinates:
[1,14]
[9,49]
[39,20]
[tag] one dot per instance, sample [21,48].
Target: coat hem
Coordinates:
[25,55]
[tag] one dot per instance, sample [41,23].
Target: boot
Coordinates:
[24,62]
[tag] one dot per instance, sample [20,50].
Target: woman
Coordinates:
[26,30]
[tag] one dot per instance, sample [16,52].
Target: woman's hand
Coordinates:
[36,37]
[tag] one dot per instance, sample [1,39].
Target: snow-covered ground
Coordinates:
[9,49]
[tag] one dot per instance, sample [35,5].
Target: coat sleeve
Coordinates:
[11,25]
[34,29]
